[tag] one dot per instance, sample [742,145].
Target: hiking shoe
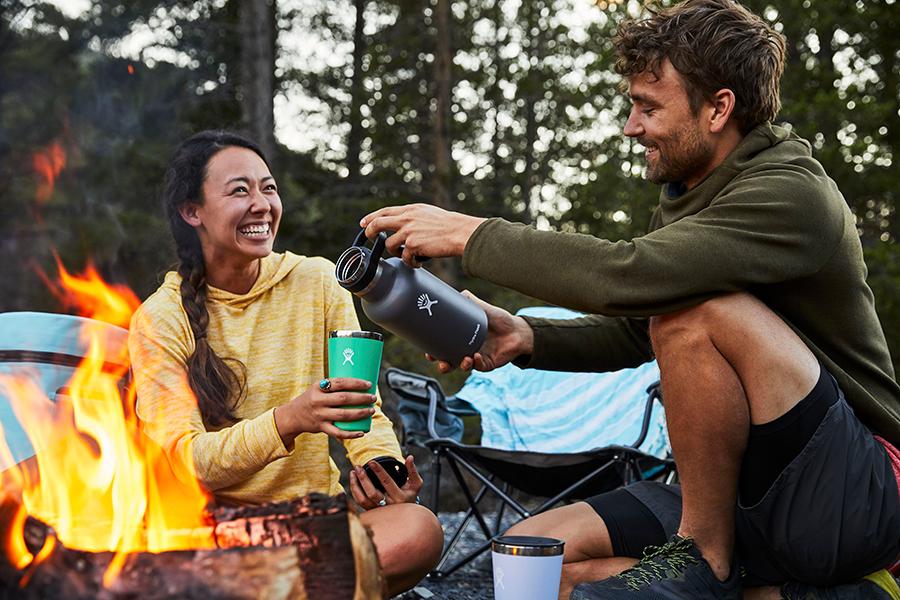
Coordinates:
[673,571]
[877,586]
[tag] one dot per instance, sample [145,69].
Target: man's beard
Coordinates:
[678,156]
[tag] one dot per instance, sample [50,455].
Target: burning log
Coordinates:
[311,548]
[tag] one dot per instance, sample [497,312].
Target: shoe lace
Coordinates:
[660,562]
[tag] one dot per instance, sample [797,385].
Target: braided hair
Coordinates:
[217,386]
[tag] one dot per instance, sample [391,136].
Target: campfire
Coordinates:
[97,511]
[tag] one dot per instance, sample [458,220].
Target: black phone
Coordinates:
[394,468]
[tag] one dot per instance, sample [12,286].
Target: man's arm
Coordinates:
[593,343]
[746,238]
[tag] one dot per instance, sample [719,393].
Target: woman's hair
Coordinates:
[217,386]
[713,44]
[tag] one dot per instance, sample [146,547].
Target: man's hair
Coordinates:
[713,44]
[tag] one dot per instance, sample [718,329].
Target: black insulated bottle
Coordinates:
[411,303]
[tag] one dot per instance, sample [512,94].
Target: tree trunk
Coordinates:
[257,72]
[531,125]
[443,166]
[305,549]
[354,141]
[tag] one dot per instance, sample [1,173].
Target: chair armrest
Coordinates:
[653,393]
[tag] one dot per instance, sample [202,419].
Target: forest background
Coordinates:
[491,107]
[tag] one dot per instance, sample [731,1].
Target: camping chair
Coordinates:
[47,348]
[433,421]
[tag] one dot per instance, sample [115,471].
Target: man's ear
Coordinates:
[188,212]
[722,107]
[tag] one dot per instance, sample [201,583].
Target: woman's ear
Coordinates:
[188,212]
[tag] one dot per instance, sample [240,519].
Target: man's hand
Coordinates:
[422,229]
[508,337]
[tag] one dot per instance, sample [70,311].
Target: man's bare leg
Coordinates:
[724,364]
[588,552]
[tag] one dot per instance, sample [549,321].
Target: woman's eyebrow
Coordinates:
[240,178]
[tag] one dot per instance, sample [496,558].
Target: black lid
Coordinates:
[527,545]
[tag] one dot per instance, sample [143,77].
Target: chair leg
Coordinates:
[499,522]
[457,533]
[436,480]
[468,494]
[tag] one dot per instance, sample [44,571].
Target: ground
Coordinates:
[471,582]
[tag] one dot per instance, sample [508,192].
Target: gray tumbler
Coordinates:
[412,303]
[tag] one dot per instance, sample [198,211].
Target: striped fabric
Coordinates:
[558,412]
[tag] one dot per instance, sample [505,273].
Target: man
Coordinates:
[750,292]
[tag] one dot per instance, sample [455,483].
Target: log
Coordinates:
[311,548]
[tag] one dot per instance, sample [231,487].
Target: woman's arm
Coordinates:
[159,344]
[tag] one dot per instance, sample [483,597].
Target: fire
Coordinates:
[48,163]
[95,478]
[90,295]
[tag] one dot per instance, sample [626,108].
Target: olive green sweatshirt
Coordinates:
[767,221]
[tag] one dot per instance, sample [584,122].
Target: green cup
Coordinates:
[355,354]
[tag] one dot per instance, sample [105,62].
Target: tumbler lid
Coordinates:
[527,545]
[350,333]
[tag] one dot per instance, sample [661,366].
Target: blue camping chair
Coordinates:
[47,348]
[601,432]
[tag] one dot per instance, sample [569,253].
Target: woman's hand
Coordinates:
[508,337]
[365,494]
[316,409]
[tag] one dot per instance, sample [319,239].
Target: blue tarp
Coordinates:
[553,411]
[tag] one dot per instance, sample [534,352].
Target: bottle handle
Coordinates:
[377,247]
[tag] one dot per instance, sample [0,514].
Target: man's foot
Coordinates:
[877,586]
[675,571]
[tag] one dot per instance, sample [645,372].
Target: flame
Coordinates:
[48,163]
[92,296]
[95,478]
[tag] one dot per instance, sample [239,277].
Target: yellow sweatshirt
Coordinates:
[279,331]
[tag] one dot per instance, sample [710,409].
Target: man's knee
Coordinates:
[698,324]
[530,526]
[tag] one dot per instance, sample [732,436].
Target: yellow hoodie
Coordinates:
[279,331]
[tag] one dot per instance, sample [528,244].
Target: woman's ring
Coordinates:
[382,502]
[325,385]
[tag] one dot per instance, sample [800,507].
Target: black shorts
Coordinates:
[831,515]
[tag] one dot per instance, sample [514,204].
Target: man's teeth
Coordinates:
[255,229]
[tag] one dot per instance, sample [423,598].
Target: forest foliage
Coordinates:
[492,107]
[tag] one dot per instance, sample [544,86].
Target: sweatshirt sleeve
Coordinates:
[593,343]
[381,439]
[160,346]
[761,229]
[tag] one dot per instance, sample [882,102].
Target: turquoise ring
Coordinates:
[325,385]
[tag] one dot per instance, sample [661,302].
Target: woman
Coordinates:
[244,331]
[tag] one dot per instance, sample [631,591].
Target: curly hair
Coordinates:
[713,44]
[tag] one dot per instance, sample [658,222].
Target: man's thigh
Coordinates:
[578,525]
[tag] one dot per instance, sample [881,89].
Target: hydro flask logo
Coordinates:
[348,356]
[425,303]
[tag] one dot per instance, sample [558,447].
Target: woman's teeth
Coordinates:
[255,230]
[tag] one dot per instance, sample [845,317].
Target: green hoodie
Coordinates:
[767,221]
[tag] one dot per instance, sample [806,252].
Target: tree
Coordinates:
[256,19]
